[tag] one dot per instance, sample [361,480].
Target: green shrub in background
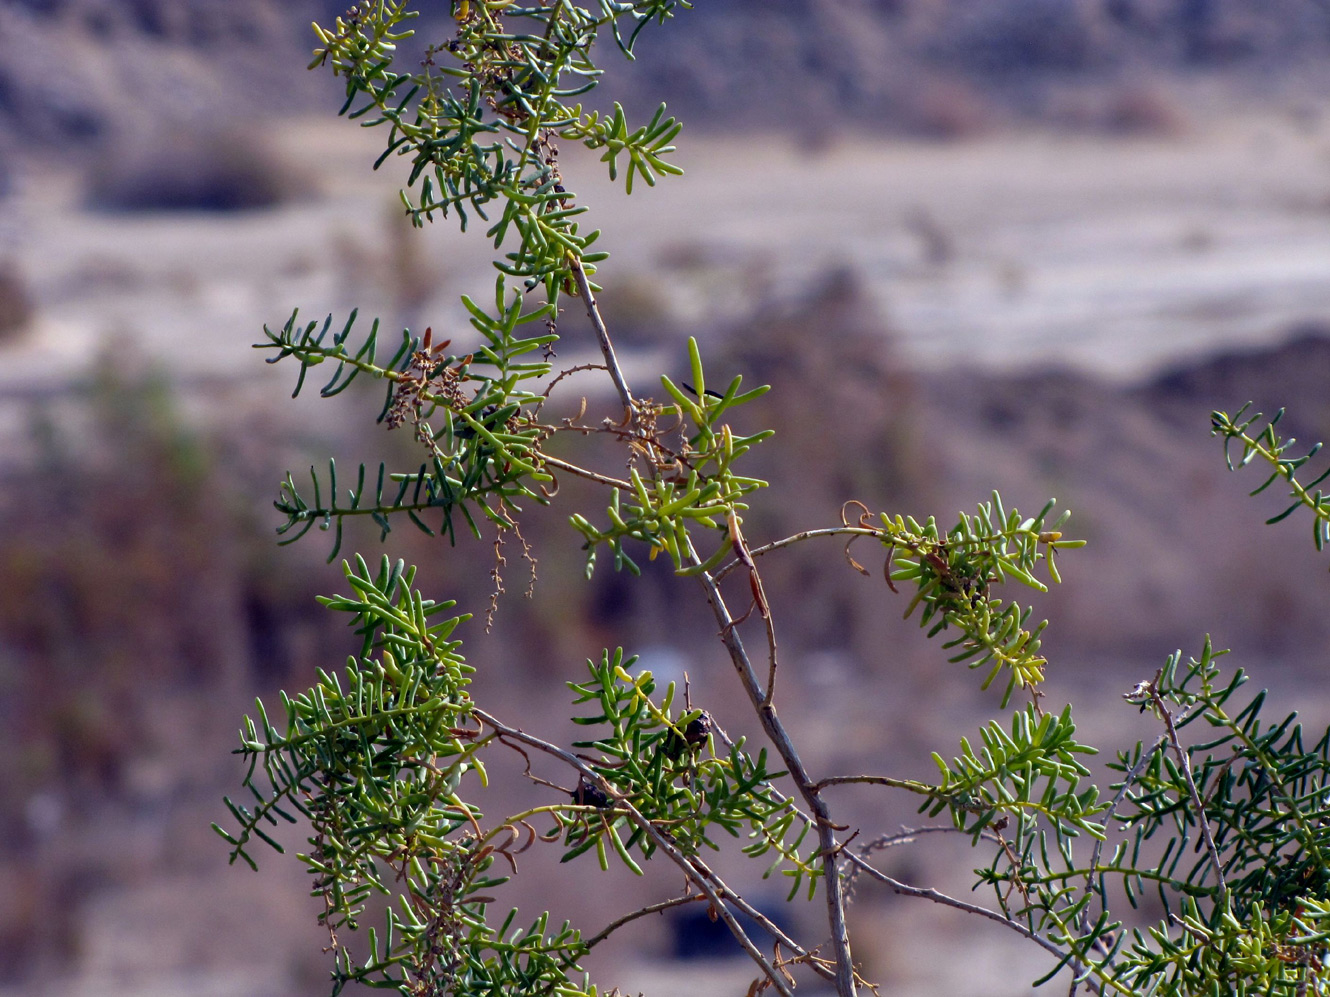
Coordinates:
[1223,816]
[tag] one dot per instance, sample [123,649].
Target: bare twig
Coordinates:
[780,738]
[618,923]
[832,531]
[741,552]
[1185,763]
[582,472]
[913,785]
[602,335]
[905,836]
[545,395]
[938,897]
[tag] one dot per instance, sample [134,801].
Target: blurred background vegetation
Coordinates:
[1035,242]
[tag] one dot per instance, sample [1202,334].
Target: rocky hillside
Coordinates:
[83,70]
[943,66]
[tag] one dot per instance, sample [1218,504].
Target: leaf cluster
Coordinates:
[479,119]
[1034,770]
[373,760]
[1266,443]
[693,484]
[1265,802]
[666,765]
[953,574]
[473,414]
[1254,923]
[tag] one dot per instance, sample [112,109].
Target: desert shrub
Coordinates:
[1218,817]
[225,169]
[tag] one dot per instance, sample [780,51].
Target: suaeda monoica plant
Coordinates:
[1225,816]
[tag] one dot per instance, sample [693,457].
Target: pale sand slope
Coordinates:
[1014,250]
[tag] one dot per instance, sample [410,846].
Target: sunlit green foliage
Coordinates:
[953,574]
[1028,772]
[1223,817]
[1271,448]
[471,414]
[667,765]
[478,120]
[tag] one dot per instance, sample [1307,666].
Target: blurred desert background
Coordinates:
[1024,244]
